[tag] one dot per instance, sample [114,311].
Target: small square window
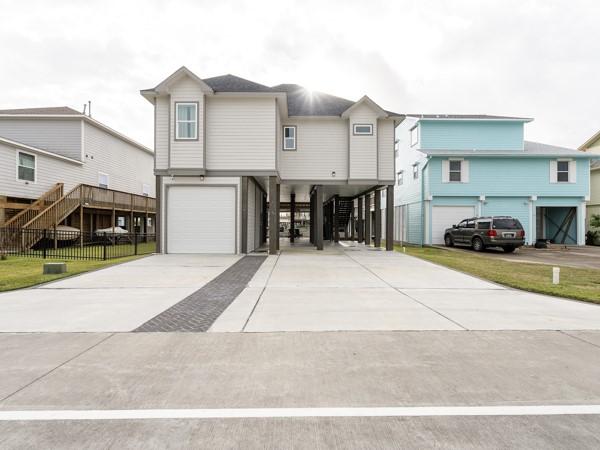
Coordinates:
[562,171]
[25,167]
[400,178]
[363,129]
[414,136]
[415,171]
[289,138]
[455,170]
[186,121]
[145,189]
[103,180]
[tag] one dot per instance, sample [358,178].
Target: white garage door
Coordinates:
[200,219]
[444,217]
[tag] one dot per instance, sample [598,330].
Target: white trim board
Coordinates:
[240,413]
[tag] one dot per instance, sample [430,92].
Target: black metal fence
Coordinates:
[73,244]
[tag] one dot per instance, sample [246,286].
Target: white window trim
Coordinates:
[107,180]
[177,137]
[460,172]
[146,189]
[414,131]
[572,171]
[34,167]
[295,147]
[415,173]
[362,133]
[400,176]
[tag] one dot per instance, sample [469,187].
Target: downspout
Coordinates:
[423,202]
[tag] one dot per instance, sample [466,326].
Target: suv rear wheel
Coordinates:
[448,241]
[478,245]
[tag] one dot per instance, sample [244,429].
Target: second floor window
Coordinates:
[363,128]
[455,170]
[289,138]
[414,136]
[145,190]
[186,118]
[25,167]
[400,178]
[562,171]
[415,172]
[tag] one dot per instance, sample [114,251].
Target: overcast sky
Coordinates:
[536,59]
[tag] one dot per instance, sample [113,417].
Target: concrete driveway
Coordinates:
[118,298]
[351,287]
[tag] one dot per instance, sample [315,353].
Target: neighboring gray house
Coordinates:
[45,153]
[226,149]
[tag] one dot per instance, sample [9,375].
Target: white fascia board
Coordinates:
[30,148]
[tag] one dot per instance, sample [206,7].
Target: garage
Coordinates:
[444,217]
[201,219]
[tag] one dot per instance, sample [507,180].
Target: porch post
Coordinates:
[157,216]
[361,230]
[336,216]
[368,219]
[312,219]
[389,218]
[377,218]
[278,212]
[244,189]
[292,216]
[319,217]
[273,225]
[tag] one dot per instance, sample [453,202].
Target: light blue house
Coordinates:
[452,167]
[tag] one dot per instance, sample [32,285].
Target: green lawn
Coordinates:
[18,272]
[576,283]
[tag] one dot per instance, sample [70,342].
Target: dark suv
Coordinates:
[482,232]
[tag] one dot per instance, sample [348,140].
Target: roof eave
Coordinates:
[583,147]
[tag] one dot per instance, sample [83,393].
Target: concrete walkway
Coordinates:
[351,287]
[118,298]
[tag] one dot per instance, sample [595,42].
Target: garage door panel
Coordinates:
[444,217]
[201,219]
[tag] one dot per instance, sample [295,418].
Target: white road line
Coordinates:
[243,413]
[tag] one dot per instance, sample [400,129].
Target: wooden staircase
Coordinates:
[25,229]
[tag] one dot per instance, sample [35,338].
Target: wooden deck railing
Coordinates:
[47,199]
[96,197]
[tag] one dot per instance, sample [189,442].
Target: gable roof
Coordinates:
[467,117]
[300,101]
[594,138]
[50,111]
[232,83]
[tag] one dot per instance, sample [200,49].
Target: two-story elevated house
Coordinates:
[231,154]
[59,166]
[454,167]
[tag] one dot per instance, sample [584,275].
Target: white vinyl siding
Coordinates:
[60,136]
[363,148]
[385,143]
[322,148]
[162,132]
[128,167]
[240,133]
[187,153]
[201,219]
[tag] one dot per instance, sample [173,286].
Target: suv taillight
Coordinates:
[521,233]
[492,233]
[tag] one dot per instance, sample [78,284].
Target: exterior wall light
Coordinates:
[333,173]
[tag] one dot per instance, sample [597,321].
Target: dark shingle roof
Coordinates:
[464,116]
[55,110]
[302,102]
[231,83]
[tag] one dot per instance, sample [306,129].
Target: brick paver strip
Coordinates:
[198,311]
